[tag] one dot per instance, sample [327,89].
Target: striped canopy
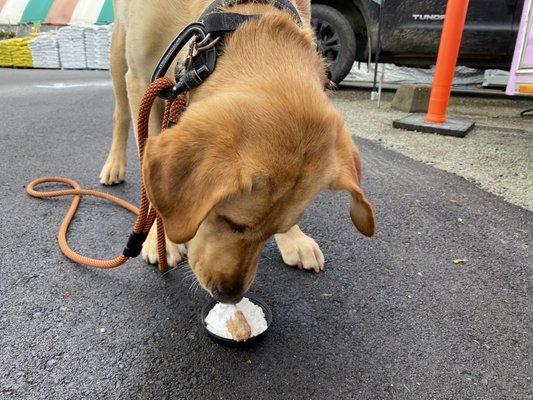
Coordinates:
[56,12]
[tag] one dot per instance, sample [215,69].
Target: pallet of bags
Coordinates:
[16,52]
[22,54]
[72,47]
[97,46]
[6,59]
[45,51]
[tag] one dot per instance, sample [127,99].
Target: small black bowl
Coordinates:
[230,342]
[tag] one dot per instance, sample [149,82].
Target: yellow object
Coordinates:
[16,52]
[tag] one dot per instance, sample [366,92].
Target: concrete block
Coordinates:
[412,98]
[417,122]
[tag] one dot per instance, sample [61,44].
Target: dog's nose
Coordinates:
[226,296]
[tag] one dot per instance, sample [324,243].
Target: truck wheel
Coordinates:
[335,40]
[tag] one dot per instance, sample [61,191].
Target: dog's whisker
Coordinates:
[197,286]
[193,287]
[180,264]
[188,275]
[183,262]
[170,270]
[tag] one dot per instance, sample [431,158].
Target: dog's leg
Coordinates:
[300,250]
[137,83]
[115,167]
[175,252]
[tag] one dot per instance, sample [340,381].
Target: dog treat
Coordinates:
[238,322]
[238,327]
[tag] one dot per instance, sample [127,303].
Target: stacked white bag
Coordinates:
[72,47]
[97,46]
[103,52]
[45,51]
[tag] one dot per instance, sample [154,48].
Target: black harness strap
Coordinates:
[284,5]
[218,23]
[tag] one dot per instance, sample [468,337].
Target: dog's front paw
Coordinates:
[298,249]
[113,171]
[175,252]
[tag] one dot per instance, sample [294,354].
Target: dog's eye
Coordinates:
[234,227]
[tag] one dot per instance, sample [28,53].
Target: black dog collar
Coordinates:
[207,35]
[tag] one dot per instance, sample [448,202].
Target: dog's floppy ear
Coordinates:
[182,183]
[347,177]
[304,8]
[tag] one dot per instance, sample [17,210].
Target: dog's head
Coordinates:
[246,161]
[223,190]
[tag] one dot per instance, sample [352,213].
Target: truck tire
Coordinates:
[335,40]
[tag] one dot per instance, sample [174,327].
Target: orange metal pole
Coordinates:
[450,42]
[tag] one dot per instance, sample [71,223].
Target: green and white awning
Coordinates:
[56,12]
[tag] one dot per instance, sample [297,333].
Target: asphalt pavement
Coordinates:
[392,317]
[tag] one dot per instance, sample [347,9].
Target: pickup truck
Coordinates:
[347,31]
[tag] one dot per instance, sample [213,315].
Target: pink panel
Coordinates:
[61,12]
[2,2]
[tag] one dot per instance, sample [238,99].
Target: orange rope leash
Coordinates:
[145,215]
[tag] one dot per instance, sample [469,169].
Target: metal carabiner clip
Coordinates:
[206,43]
[199,64]
[190,31]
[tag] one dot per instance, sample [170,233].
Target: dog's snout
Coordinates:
[228,295]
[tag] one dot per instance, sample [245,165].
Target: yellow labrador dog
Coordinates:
[257,142]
